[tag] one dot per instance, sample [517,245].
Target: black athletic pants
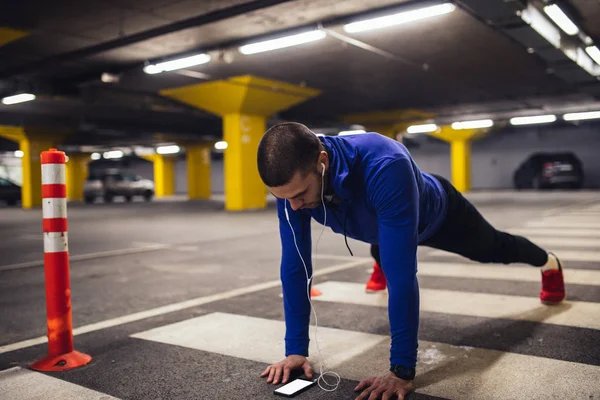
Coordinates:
[464,231]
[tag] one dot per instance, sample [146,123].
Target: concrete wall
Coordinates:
[495,158]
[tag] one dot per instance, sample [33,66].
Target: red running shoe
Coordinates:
[553,285]
[377,282]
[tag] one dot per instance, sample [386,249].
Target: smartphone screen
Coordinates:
[293,387]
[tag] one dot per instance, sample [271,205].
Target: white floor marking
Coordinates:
[20,383]
[570,313]
[175,307]
[256,339]
[568,255]
[455,372]
[556,223]
[557,233]
[504,272]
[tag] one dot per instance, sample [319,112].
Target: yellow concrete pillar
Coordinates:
[31,143]
[76,172]
[198,170]
[460,153]
[8,34]
[164,175]
[244,103]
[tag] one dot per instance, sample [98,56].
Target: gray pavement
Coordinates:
[167,297]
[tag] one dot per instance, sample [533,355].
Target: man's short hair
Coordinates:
[285,149]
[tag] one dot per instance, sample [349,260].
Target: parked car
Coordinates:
[550,170]
[110,184]
[10,192]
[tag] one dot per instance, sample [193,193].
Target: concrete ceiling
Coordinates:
[473,59]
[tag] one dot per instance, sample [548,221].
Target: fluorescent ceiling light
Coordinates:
[221,145]
[421,128]
[483,123]
[19,154]
[561,19]
[18,98]
[399,18]
[541,25]
[593,52]
[581,115]
[96,156]
[113,154]
[537,119]
[167,149]
[282,42]
[354,132]
[177,64]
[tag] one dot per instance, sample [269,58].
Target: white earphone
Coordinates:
[323,370]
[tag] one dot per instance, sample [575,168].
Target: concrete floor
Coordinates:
[177,299]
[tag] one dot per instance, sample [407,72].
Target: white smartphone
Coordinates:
[294,387]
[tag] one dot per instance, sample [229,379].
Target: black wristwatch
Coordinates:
[406,373]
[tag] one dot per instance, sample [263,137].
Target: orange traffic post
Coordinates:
[61,354]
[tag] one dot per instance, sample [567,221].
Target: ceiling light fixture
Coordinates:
[221,145]
[483,123]
[19,153]
[179,63]
[399,18]
[282,42]
[422,128]
[581,115]
[593,52]
[536,119]
[113,154]
[561,19]
[18,98]
[174,149]
[96,156]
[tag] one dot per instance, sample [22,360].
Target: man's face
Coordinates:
[303,191]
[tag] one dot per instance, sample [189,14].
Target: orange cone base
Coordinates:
[315,292]
[62,362]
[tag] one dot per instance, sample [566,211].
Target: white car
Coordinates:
[111,184]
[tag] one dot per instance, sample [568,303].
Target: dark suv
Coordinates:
[550,170]
[10,193]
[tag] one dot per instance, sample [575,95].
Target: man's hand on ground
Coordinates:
[285,367]
[385,386]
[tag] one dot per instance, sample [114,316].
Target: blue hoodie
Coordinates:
[385,200]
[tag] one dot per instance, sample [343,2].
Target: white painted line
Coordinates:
[569,255]
[175,307]
[88,256]
[554,223]
[504,272]
[563,232]
[570,313]
[257,339]
[457,372]
[56,242]
[20,383]
[545,241]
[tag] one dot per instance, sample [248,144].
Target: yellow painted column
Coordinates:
[460,153]
[460,159]
[164,175]
[76,172]
[31,144]
[198,171]
[243,186]
[244,103]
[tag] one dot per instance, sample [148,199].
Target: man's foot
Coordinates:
[377,282]
[553,284]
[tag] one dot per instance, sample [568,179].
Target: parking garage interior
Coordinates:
[174,244]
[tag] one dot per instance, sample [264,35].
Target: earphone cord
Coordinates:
[322,370]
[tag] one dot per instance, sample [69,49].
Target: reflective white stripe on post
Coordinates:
[54,208]
[53,174]
[55,242]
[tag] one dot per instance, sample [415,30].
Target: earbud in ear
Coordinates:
[322,169]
